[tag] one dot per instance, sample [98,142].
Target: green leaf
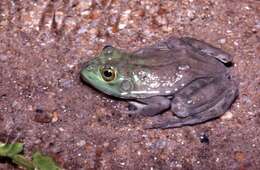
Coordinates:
[23,162]
[39,162]
[9,150]
[42,162]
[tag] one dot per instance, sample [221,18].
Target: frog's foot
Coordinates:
[188,121]
[134,108]
[208,49]
[204,94]
[223,103]
[149,106]
[166,124]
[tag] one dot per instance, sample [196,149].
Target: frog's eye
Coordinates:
[108,50]
[108,73]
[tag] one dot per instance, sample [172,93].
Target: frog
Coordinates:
[184,75]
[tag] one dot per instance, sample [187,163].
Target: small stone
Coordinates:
[93,32]
[228,31]
[122,25]
[30,108]
[236,43]
[247,7]
[82,30]
[239,156]
[160,144]
[124,19]
[166,28]
[139,13]
[70,23]
[94,14]
[59,18]
[227,116]
[55,116]
[37,141]
[246,99]
[191,14]
[257,25]
[3,57]
[84,5]
[56,149]
[16,105]
[204,138]
[161,20]
[65,83]
[81,143]
[106,144]
[41,116]
[222,41]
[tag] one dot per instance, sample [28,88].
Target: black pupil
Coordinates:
[108,73]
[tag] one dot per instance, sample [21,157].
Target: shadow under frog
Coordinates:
[187,76]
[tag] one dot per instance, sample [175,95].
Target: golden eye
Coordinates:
[108,73]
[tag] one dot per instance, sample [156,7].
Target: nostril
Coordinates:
[89,67]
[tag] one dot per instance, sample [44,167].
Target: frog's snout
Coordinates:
[87,67]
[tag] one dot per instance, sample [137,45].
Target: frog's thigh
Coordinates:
[224,101]
[198,96]
[150,106]
[227,97]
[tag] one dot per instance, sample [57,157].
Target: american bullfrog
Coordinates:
[185,75]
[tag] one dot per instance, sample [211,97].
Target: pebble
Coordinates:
[204,138]
[222,41]
[160,144]
[16,105]
[41,116]
[257,26]
[227,116]
[239,156]
[84,5]
[81,143]
[124,19]
[3,57]
[65,83]
[55,116]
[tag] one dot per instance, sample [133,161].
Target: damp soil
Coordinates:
[43,103]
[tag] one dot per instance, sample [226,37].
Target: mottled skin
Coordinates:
[184,75]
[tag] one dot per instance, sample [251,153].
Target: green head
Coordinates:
[109,72]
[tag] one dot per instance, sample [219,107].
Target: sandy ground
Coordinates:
[44,104]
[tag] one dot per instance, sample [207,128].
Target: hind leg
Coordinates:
[207,49]
[203,112]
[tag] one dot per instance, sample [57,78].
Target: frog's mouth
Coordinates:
[86,73]
[83,78]
[90,78]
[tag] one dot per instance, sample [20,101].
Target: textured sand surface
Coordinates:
[44,104]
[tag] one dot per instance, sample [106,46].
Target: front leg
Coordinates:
[149,106]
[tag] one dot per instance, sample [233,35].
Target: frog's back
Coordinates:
[164,71]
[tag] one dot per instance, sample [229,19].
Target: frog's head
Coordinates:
[108,72]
